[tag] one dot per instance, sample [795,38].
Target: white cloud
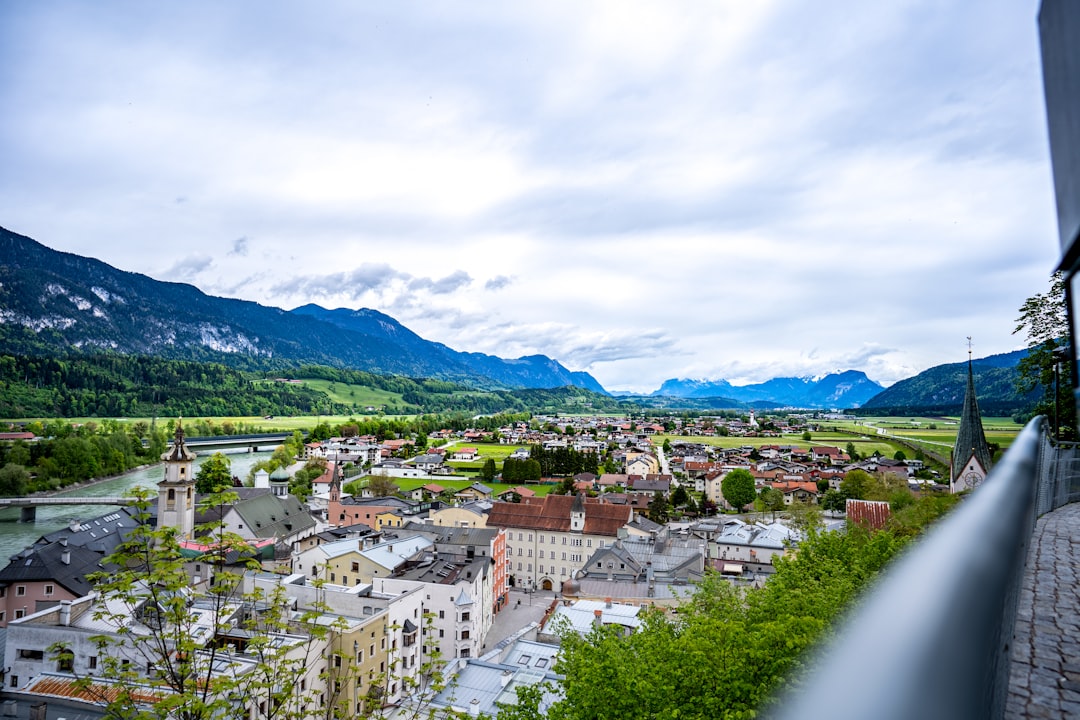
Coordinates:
[654,189]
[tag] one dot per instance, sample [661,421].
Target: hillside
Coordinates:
[941,389]
[53,303]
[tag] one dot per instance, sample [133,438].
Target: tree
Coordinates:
[899,455]
[488,472]
[834,501]
[856,484]
[157,643]
[772,500]
[381,485]
[1043,318]
[806,436]
[659,511]
[738,488]
[679,497]
[214,474]
[13,480]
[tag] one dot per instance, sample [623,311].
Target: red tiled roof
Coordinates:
[553,513]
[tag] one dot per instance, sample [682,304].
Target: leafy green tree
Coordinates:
[856,484]
[214,474]
[1044,319]
[899,455]
[772,500]
[13,480]
[659,510]
[851,452]
[679,497]
[806,436]
[382,485]
[197,675]
[488,472]
[834,501]
[738,488]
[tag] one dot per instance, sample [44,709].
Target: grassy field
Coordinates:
[407,484]
[864,446]
[358,394]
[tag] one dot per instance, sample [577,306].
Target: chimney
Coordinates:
[65,557]
[505,679]
[598,616]
[607,602]
[63,541]
[65,612]
[74,525]
[474,708]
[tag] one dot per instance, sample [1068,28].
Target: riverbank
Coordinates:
[91,482]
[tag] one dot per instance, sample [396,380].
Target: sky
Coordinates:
[640,190]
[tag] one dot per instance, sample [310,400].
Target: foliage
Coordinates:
[738,489]
[772,499]
[563,461]
[728,649]
[13,480]
[214,474]
[382,485]
[515,470]
[856,484]
[209,649]
[1043,318]
[659,509]
[488,471]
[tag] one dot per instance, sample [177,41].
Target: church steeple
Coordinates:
[176,492]
[971,456]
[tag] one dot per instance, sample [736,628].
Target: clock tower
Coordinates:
[176,492]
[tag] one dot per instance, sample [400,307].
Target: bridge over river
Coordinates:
[29,505]
[251,443]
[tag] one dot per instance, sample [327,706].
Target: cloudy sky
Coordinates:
[642,190]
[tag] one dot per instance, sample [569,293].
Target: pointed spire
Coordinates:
[970,437]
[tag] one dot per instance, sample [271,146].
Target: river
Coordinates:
[15,535]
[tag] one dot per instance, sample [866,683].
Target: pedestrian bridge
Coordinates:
[29,505]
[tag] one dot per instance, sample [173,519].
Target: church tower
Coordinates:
[577,514]
[176,493]
[971,454]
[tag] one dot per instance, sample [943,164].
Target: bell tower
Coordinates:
[176,492]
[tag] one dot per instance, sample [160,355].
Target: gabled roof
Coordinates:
[271,516]
[46,563]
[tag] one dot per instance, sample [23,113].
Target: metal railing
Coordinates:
[932,639]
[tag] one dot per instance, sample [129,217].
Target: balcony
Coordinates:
[981,619]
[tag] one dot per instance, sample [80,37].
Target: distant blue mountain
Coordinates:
[847,389]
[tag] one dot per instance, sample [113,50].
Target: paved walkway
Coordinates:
[522,609]
[1045,673]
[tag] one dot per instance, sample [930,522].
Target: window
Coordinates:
[65,660]
[91,662]
[465,617]
[356,567]
[19,613]
[49,590]
[332,577]
[344,579]
[520,553]
[20,590]
[464,634]
[552,539]
[14,681]
[564,540]
[442,614]
[465,652]
[25,654]
[541,539]
[519,566]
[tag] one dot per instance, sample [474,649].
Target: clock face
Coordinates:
[973,479]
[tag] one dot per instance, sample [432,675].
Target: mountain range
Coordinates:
[53,302]
[846,389]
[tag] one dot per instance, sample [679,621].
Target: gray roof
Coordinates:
[970,438]
[45,563]
[273,516]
